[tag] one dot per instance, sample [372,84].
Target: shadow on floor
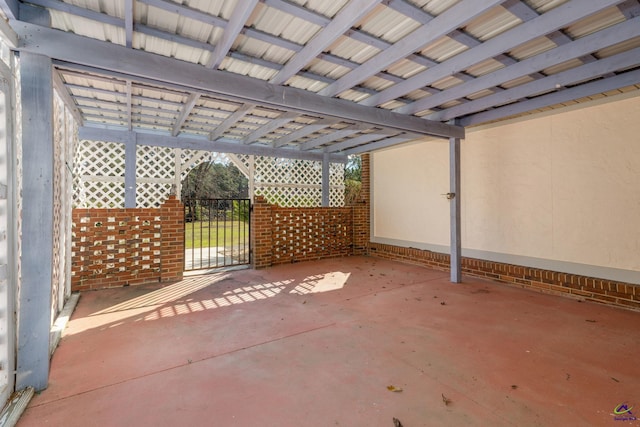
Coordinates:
[320,343]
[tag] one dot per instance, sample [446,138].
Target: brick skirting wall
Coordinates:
[118,247]
[587,288]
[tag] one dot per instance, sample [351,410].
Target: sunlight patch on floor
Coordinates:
[166,294]
[175,299]
[233,297]
[322,283]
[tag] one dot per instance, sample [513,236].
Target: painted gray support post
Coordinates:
[130,150]
[252,177]
[455,198]
[177,179]
[325,179]
[34,315]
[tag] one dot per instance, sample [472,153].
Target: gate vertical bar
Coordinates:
[454,197]
[252,174]
[247,239]
[34,316]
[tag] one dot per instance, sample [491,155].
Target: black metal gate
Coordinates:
[216,233]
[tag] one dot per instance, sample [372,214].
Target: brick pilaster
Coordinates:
[362,211]
[261,233]
[172,247]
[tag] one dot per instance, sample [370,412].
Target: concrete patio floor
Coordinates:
[320,344]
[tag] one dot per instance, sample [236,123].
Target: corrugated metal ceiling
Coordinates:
[513,39]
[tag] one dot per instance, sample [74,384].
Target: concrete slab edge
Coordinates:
[61,322]
[15,407]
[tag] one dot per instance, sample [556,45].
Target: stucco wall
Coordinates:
[554,190]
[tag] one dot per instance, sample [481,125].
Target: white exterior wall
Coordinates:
[559,190]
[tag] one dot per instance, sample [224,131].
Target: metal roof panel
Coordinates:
[434,7]
[387,24]
[354,50]
[311,85]
[619,48]
[595,23]
[259,49]
[170,49]
[86,27]
[326,8]
[532,48]
[492,23]
[247,69]
[485,67]
[281,24]
[443,49]
[327,69]
[405,68]
[543,6]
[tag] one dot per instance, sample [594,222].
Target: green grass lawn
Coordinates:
[202,234]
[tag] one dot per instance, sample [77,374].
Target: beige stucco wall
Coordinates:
[563,187]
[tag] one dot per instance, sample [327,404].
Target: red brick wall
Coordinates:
[362,212]
[261,233]
[286,235]
[588,288]
[172,246]
[117,247]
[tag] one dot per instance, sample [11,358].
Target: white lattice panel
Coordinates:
[72,144]
[336,184]
[152,194]
[269,170]
[17,133]
[155,162]
[64,138]
[291,196]
[155,171]
[58,214]
[192,158]
[7,296]
[103,194]
[288,182]
[99,175]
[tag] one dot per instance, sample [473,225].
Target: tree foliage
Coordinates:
[352,180]
[353,169]
[211,180]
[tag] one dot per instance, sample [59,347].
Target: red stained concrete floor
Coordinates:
[318,343]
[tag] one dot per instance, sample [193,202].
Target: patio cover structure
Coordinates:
[316,80]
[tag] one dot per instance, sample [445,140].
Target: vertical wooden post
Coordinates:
[325,179]
[34,315]
[130,152]
[455,199]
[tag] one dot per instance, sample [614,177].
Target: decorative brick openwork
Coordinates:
[284,235]
[116,247]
